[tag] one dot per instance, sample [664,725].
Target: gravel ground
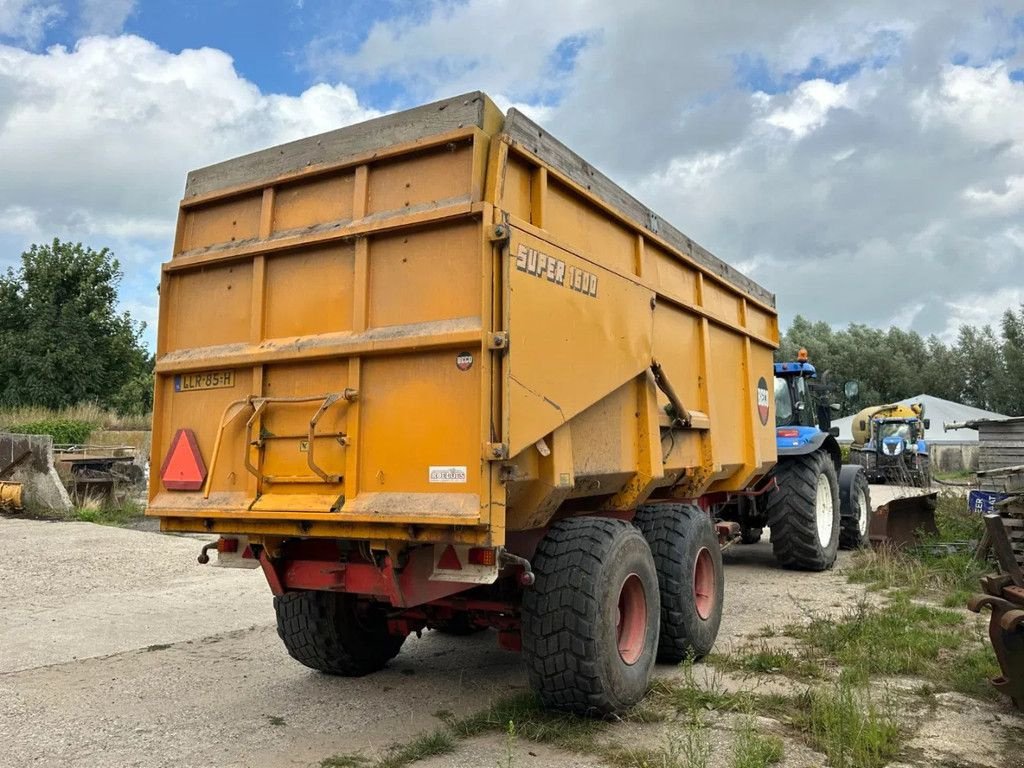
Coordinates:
[116,649]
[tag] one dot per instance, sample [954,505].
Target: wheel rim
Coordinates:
[704,583]
[862,513]
[823,510]
[631,623]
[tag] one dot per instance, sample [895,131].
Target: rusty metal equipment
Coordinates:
[904,521]
[97,472]
[1004,596]
[10,497]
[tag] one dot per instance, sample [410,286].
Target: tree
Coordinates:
[62,341]
[1010,387]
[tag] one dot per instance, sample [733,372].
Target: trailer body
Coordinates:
[432,336]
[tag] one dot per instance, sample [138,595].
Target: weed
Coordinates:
[345,761]
[532,723]
[955,521]
[753,750]
[92,415]
[900,638]
[851,728]
[766,660]
[157,647]
[94,511]
[510,745]
[949,577]
[276,720]
[440,742]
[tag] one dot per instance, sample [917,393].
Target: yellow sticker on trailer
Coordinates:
[191,382]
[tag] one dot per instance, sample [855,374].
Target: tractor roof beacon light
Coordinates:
[801,356]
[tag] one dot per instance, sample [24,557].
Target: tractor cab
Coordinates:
[800,413]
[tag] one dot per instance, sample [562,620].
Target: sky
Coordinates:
[864,161]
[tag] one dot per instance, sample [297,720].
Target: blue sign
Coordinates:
[984,502]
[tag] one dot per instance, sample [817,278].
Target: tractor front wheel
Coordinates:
[804,512]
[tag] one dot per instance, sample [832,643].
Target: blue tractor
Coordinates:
[813,504]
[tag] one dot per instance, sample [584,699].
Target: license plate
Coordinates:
[190,382]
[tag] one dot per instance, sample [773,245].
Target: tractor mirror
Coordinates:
[834,431]
[851,389]
[927,423]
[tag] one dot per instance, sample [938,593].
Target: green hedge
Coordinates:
[63,431]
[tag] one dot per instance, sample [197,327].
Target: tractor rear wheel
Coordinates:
[803,512]
[690,576]
[590,621]
[335,633]
[854,507]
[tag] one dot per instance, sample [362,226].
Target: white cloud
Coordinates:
[100,137]
[980,309]
[95,143]
[104,17]
[838,153]
[808,106]
[26,21]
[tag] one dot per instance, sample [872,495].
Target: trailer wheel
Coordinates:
[590,621]
[335,633]
[854,506]
[804,512]
[750,535]
[690,576]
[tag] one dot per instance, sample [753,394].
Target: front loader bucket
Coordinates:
[904,521]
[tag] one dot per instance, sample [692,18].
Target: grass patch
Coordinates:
[763,659]
[903,638]
[689,748]
[125,513]
[754,750]
[440,742]
[959,476]
[531,722]
[346,761]
[92,415]
[848,726]
[930,570]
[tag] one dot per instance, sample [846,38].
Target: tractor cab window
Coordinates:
[783,403]
[804,405]
[895,430]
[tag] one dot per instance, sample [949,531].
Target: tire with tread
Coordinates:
[569,620]
[751,535]
[853,481]
[677,533]
[792,512]
[333,633]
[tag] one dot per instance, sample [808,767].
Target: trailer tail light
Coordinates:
[183,468]
[232,552]
[482,556]
[465,564]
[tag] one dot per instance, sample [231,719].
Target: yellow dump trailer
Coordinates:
[437,371]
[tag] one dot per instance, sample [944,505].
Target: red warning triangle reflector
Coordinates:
[449,560]
[183,468]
